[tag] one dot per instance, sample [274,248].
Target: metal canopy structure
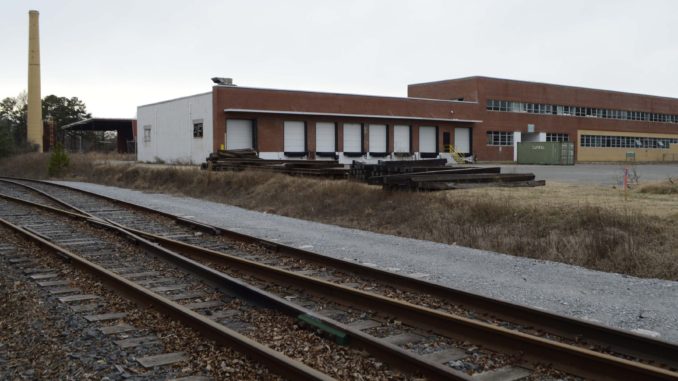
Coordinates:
[125,128]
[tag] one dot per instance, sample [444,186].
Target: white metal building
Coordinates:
[176,131]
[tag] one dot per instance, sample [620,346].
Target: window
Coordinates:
[147,134]
[625,142]
[197,129]
[499,138]
[557,137]
[490,105]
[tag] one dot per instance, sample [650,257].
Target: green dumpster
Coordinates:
[549,153]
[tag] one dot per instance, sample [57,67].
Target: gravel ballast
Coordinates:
[645,306]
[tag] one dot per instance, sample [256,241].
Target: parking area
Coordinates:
[594,174]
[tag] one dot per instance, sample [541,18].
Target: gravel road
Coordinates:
[593,174]
[647,306]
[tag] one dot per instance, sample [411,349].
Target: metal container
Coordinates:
[549,153]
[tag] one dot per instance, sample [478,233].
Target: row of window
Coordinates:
[626,142]
[501,138]
[557,137]
[592,112]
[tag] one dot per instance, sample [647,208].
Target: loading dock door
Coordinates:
[462,140]
[239,134]
[353,142]
[401,139]
[427,140]
[378,138]
[325,137]
[294,137]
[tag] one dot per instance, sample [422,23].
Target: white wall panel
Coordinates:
[353,137]
[172,130]
[325,137]
[239,133]
[427,139]
[401,138]
[462,140]
[294,137]
[377,141]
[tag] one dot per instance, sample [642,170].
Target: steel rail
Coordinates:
[620,341]
[572,359]
[277,362]
[391,353]
[565,357]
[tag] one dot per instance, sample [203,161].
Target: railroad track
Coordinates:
[226,255]
[86,320]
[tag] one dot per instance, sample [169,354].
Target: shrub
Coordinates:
[58,161]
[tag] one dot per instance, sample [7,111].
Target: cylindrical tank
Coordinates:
[34,128]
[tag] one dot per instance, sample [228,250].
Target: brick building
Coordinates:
[479,116]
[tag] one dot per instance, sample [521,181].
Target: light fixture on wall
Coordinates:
[223,81]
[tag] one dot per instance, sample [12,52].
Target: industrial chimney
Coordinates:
[35,128]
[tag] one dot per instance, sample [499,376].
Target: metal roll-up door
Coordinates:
[377,142]
[294,137]
[427,140]
[239,134]
[462,140]
[353,138]
[401,138]
[325,137]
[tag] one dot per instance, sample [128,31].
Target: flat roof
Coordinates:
[543,83]
[175,99]
[306,113]
[100,124]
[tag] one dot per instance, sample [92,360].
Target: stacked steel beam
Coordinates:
[239,160]
[434,175]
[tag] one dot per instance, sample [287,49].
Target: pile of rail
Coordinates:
[239,160]
[430,175]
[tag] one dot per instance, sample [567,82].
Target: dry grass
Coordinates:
[587,226]
[670,186]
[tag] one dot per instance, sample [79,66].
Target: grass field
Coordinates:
[594,227]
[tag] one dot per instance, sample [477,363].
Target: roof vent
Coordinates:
[223,81]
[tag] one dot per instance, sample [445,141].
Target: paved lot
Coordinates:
[613,299]
[594,174]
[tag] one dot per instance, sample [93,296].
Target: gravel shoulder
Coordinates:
[643,305]
[606,174]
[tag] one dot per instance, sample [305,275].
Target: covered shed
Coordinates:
[125,130]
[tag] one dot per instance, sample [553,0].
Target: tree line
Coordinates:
[13,119]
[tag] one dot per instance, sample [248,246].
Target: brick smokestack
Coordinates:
[35,129]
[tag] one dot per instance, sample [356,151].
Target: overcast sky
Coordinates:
[116,55]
